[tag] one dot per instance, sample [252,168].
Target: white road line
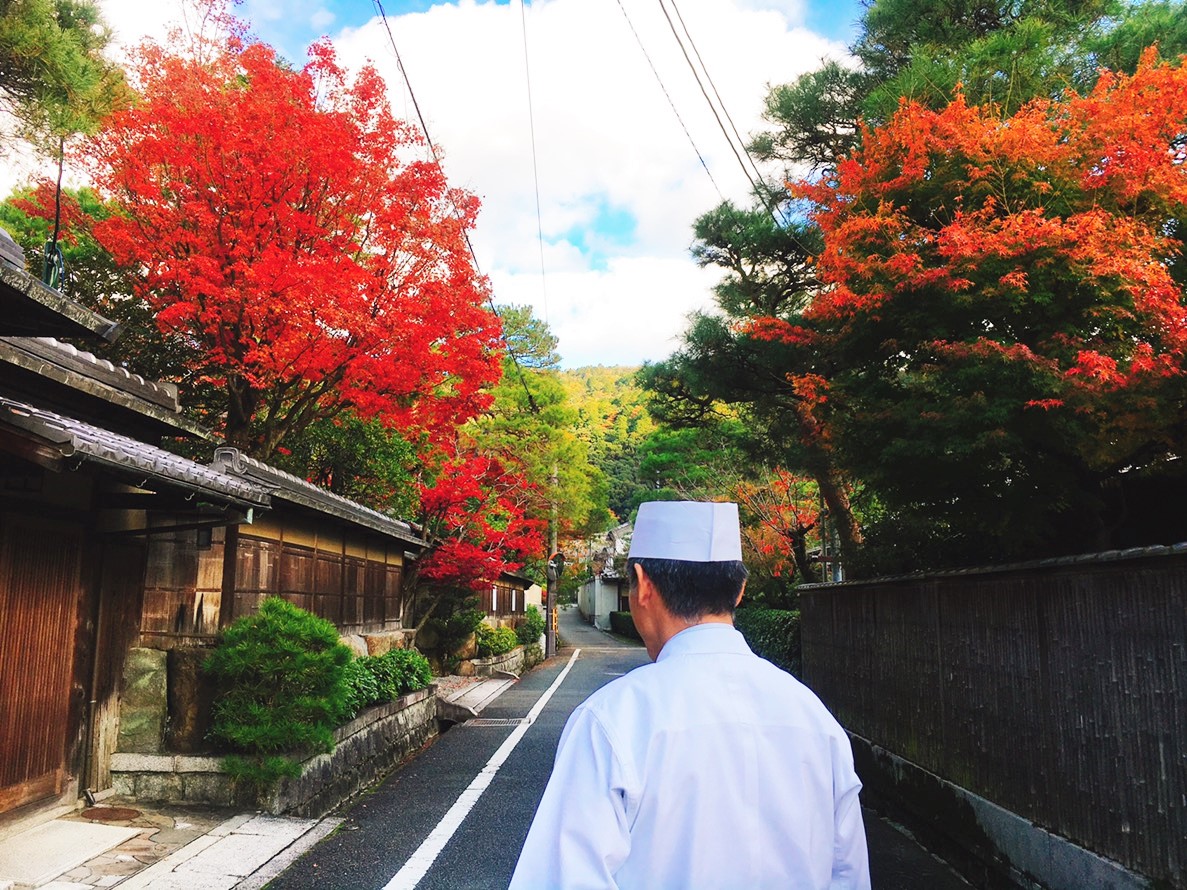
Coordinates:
[426,854]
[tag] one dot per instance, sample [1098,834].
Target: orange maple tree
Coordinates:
[780,513]
[285,227]
[1001,325]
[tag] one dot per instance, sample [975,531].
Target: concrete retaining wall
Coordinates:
[365,749]
[513,663]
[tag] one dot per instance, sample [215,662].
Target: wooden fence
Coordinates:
[1056,690]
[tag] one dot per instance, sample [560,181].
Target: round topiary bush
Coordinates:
[495,640]
[280,676]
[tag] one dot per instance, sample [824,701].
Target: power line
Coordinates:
[465,234]
[720,101]
[523,20]
[704,93]
[668,96]
[760,193]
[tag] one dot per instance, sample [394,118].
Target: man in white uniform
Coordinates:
[710,768]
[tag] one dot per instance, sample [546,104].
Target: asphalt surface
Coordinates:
[383,829]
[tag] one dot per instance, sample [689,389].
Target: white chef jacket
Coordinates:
[710,768]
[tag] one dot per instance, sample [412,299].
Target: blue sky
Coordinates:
[835,20]
[616,180]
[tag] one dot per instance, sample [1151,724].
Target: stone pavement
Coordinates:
[165,847]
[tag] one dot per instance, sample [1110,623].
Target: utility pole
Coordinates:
[556,565]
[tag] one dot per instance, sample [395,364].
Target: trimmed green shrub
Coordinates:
[623,624]
[362,686]
[410,670]
[495,640]
[375,679]
[531,627]
[773,634]
[280,676]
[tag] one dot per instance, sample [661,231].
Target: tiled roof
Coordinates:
[66,354]
[29,308]
[89,443]
[287,487]
[84,372]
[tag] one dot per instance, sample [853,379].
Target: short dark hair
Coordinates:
[693,589]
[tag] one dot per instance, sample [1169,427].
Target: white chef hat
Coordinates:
[692,531]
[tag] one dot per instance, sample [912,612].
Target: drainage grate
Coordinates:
[496,721]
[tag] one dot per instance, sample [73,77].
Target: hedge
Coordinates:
[773,634]
[623,624]
[373,679]
[495,640]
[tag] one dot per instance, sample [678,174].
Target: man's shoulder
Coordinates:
[636,685]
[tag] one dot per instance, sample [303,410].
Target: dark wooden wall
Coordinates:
[1058,692]
[184,586]
[40,602]
[506,601]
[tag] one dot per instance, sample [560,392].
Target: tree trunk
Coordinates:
[799,554]
[836,498]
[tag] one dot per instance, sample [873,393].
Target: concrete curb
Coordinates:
[289,855]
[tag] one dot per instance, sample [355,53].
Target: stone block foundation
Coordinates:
[365,750]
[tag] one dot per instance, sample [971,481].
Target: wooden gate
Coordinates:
[39,602]
[121,583]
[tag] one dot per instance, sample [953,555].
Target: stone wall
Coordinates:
[513,663]
[365,749]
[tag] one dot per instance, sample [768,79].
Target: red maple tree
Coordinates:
[284,226]
[473,513]
[780,518]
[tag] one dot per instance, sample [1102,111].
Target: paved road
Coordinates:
[383,830]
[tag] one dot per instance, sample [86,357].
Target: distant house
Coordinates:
[607,590]
[509,597]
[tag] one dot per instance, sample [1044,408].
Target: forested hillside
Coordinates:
[612,420]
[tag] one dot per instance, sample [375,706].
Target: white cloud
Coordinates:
[609,148]
[606,139]
[600,317]
[321,19]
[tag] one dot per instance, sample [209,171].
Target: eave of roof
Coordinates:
[98,378]
[516,576]
[28,309]
[287,487]
[71,438]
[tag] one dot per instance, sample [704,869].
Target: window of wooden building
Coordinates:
[505,599]
[358,588]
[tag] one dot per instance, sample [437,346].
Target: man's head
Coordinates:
[685,567]
[692,590]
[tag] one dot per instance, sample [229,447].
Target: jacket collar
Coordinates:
[705,639]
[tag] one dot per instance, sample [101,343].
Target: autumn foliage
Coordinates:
[474,514]
[780,513]
[1000,326]
[289,232]
[286,226]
